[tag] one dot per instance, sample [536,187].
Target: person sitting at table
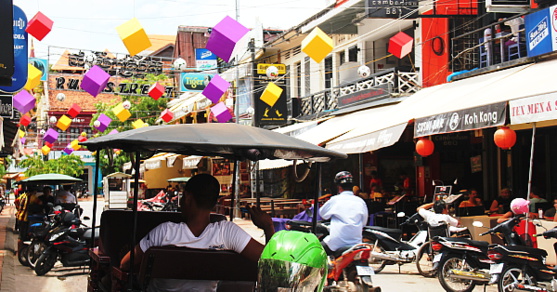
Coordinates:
[473,200]
[501,204]
[550,213]
[534,199]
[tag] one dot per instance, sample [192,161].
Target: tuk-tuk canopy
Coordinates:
[51,178]
[118,175]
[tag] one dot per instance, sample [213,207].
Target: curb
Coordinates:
[7,283]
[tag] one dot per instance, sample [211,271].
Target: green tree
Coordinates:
[71,165]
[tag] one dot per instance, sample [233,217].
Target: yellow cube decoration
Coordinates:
[134,37]
[122,113]
[138,124]
[45,150]
[271,94]
[75,145]
[317,45]
[21,133]
[33,77]
[64,123]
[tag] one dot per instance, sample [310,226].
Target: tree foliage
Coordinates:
[71,165]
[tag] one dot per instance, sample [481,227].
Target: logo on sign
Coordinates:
[454,121]
[539,33]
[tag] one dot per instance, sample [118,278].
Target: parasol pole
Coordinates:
[316,202]
[530,177]
[95,193]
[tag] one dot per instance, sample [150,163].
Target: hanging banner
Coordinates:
[264,113]
[533,109]
[7,43]
[491,115]
[19,77]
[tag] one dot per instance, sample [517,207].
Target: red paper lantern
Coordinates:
[504,138]
[425,147]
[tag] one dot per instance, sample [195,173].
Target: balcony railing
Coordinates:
[398,83]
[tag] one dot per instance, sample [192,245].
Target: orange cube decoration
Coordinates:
[134,37]
[45,150]
[74,110]
[156,91]
[138,124]
[39,26]
[25,120]
[64,123]
[400,45]
[75,145]
[33,77]
[317,45]
[122,113]
[167,116]
[271,94]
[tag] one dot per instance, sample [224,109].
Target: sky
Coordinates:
[91,25]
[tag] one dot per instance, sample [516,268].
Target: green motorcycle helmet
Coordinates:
[292,260]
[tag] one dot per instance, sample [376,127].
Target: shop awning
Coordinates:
[191,162]
[156,160]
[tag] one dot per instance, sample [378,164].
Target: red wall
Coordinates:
[435,68]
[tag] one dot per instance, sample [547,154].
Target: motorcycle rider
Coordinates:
[348,215]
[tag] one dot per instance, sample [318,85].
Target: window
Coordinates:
[307,76]
[328,72]
[287,81]
[342,57]
[298,74]
[353,54]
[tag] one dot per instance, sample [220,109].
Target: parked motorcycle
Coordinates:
[38,232]
[160,202]
[463,263]
[523,268]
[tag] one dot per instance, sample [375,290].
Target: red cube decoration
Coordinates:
[167,116]
[39,26]
[74,110]
[25,120]
[81,139]
[400,45]
[48,144]
[156,91]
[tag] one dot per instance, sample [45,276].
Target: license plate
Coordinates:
[364,271]
[496,268]
[437,257]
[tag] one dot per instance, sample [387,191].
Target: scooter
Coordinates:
[349,270]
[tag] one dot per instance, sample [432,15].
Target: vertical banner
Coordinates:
[264,113]
[7,43]
[20,53]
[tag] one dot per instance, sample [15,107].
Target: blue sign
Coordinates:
[541,30]
[204,54]
[194,81]
[20,52]
[41,64]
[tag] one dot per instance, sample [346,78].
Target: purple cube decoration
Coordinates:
[224,37]
[221,112]
[113,132]
[95,80]
[50,136]
[104,121]
[23,140]
[216,88]
[24,101]
[68,150]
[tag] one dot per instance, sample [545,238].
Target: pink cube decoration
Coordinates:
[24,101]
[113,132]
[216,88]
[81,139]
[224,37]
[23,140]
[39,26]
[400,45]
[221,112]
[74,110]
[104,121]
[50,136]
[156,91]
[167,115]
[68,150]
[25,120]
[95,80]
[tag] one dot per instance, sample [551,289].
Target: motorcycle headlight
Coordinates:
[56,236]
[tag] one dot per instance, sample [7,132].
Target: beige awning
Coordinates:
[191,162]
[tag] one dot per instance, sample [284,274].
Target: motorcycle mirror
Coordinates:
[477,224]
[455,181]
[401,214]
[86,218]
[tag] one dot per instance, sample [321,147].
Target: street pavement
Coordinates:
[15,277]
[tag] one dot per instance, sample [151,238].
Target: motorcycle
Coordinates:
[38,232]
[158,203]
[463,263]
[67,242]
[523,267]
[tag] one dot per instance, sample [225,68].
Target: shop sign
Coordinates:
[6,106]
[391,8]
[205,59]
[194,81]
[20,53]
[541,31]
[7,43]
[376,92]
[462,120]
[264,113]
[117,64]
[533,109]
[262,68]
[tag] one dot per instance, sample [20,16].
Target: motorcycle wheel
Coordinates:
[451,284]
[45,263]
[34,251]
[512,276]
[22,255]
[376,264]
[359,285]
[424,261]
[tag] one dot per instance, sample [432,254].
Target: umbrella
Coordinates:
[179,179]
[51,178]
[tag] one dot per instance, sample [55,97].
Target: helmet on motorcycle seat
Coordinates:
[344,177]
[519,206]
[292,260]
[69,218]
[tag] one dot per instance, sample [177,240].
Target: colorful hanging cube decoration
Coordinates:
[33,77]
[400,45]
[74,110]
[20,133]
[138,124]
[224,37]
[68,150]
[95,80]
[45,150]
[24,101]
[271,94]
[113,132]
[49,145]
[50,136]
[39,26]
[134,37]
[167,115]
[122,113]
[75,145]
[103,122]
[221,112]
[216,88]
[23,140]
[25,120]
[64,123]
[317,45]
[81,139]
[156,91]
